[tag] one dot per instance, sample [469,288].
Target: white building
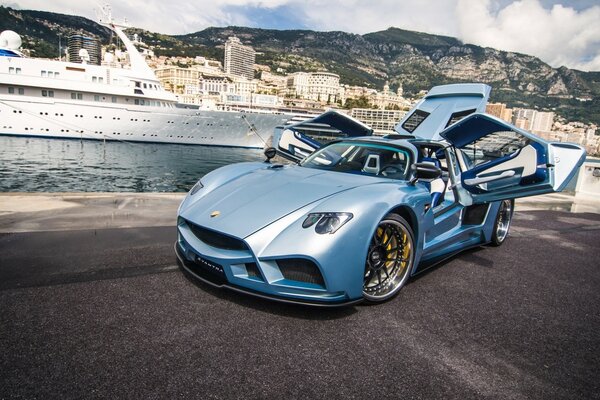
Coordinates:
[542,121]
[523,118]
[317,86]
[253,100]
[389,99]
[382,121]
[239,59]
[297,84]
[533,120]
[324,87]
[214,84]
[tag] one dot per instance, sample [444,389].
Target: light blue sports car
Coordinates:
[355,218]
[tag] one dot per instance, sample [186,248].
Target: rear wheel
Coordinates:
[502,223]
[389,260]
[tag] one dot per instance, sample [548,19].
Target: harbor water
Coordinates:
[57,165]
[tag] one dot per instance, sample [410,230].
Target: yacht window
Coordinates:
[21,90]
[50,93]
[44,74]
[145,86]
[45,93]
[11,90]
[100,80]
[94,79]
[73,96]
[56,74]
[137,84]
[96,97]
[114,99]
[11,70]
[18,70]
[142,102]
[79,96]
[137,101]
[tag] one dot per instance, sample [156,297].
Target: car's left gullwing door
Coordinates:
[297,141]
[500,161]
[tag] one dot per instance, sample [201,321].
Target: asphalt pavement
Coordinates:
[106,313]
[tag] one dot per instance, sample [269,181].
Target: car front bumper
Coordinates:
[224,269]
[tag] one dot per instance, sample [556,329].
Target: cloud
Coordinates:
[363,17]
[559,35]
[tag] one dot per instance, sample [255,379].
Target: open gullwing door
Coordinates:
[500,161]
[297,141]
[441,107]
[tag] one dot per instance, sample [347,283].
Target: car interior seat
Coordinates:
[372,164]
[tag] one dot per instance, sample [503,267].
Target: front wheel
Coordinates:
[502,223]
[389,260]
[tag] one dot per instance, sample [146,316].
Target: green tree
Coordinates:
[361,102]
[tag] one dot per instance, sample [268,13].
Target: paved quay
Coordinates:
[29,212]
[93,306]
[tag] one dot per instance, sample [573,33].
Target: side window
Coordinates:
[493,146]
[415,120]
[457,116]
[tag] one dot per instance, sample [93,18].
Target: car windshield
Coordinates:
[361,158]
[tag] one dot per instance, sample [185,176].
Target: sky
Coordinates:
[560,32]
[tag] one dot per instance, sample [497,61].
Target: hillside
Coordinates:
[416,60]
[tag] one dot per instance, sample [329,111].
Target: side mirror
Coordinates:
[270,152]
[424,170]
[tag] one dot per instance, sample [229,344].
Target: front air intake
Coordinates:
[216,239]
[301,270]
[253,271]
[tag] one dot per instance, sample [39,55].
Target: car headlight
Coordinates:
[196,187]
[326,222]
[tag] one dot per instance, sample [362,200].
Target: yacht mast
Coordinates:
[138,63]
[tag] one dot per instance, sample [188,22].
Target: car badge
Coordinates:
[215,214]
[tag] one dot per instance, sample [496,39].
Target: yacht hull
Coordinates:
[39,117]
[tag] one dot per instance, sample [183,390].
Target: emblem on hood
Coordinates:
[215,214]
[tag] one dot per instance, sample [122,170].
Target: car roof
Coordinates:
[400,143]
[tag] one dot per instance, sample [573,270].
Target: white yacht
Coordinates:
[56,99]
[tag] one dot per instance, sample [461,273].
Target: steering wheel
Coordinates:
[394,167]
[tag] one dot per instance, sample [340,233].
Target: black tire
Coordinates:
[502,222]
[389,260]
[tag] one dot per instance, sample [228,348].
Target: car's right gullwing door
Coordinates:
[500,161]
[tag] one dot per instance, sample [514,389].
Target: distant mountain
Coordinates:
[416,60]
[41,30]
